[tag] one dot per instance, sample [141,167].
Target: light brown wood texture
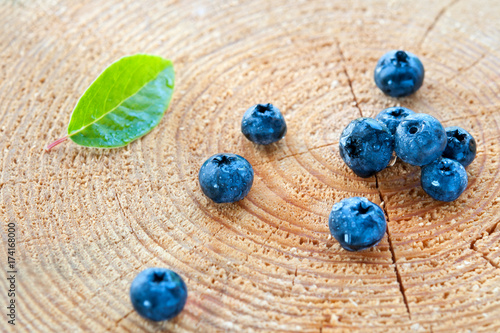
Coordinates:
[89,220]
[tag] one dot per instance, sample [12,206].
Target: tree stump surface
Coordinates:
[88,220]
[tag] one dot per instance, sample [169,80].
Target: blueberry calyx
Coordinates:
[401,57]
[363,209]
[158,277]
[353,147]
[444,168]
[459,136]
[222,160]
[263,108]
[396,112]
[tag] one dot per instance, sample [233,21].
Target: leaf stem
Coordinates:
[55,143]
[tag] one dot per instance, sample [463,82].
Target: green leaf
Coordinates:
[125,102]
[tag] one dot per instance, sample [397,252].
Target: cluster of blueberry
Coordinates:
[367,146]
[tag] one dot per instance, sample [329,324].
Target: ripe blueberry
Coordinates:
[420,139]
[263,124]
[366,146]
[461,145]
[391,117]
[357,223]
[226,178]
[158,294]
[399,73]
[444,179]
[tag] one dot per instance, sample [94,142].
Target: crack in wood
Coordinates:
[435,21]
[393,254]
[215,233]
[309,150]
[295,276]
[119,320]
[485,257]
[473,247]
[306,151]
[129,220]
[396,270]
[467,68]
[349,80]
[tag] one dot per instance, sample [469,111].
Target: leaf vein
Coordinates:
[121,103]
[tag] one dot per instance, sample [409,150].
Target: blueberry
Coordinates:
[461,145]
[366,146]
[420,139]
[391,117]
[158,294]
[399,73]
[263,124]
[444,179]
[226,178]
[357,223]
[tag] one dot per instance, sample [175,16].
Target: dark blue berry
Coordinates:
[391,117]
[399,73]
[263,124]
[461,145]
[444,179]
[226,178]
[158,294]
[366,146]
[420,139]
[357,223]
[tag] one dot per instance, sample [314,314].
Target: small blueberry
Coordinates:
[357,223]
[461,145]
[366,146]
[158,294]
[420,139]
[226,178]
[263,124]
[399,73]
[392,116]
[444,179]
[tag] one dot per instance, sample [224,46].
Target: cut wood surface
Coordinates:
[88,220]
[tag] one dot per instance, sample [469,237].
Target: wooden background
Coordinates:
[88,220]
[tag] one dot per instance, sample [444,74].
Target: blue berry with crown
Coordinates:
[226,178]
[399,73]
[444,179]
[392,116]
[158,294]
[366,146]
[263,124]
[461,145]
[357,223]
[420,139]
